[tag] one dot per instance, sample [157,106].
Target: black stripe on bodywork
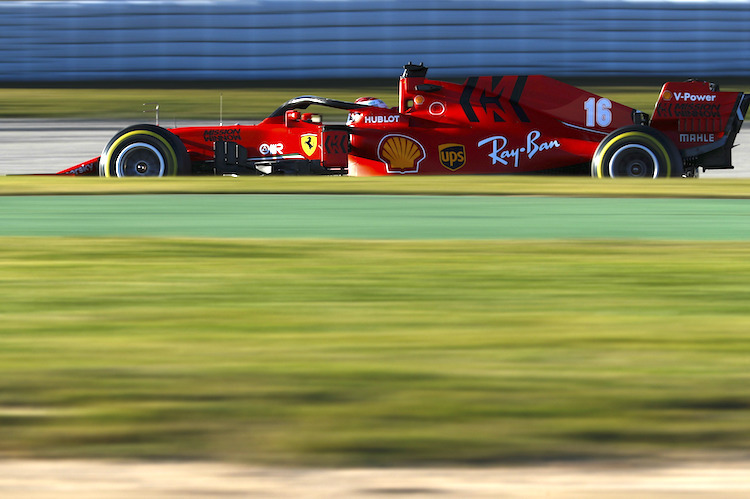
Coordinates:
[516,97]
[469,87]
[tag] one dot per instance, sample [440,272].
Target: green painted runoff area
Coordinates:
[389,217]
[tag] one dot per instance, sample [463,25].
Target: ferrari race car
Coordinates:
[487,125]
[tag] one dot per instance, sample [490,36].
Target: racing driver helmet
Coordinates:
[371,101]
[355,116]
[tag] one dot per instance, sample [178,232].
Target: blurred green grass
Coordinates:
[232,104]
[372,353]
[253,102]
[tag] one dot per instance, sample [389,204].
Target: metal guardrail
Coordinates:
[289,39]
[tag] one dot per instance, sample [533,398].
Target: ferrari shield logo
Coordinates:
[309,142]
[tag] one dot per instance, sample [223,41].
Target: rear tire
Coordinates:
[636,151]
[144,151]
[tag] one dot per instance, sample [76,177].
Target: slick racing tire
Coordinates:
[636,151]
[144,151]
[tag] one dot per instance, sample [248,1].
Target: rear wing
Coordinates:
[702,121]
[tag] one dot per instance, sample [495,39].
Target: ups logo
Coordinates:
[452,156]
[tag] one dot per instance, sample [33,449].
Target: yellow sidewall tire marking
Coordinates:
[651,140]
[161,139]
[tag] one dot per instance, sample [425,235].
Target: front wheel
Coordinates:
[144,151]
[636,151]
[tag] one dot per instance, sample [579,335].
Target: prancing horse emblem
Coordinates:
[309,142]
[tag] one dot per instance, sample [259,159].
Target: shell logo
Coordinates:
[667,95]
[401,154]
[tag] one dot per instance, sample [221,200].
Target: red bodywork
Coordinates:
[292,137]
[510,124]
[487,125]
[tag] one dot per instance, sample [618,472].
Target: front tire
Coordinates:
[636,151]
[144,151]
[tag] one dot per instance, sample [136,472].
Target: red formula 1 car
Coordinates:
[487,125]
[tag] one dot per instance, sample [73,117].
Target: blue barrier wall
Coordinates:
[280,39]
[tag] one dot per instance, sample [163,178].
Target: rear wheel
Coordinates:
[144,151]
[636,151]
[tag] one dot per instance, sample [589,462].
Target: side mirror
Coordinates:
[291,115]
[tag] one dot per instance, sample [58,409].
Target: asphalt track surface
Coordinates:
[375,217]
[48,146]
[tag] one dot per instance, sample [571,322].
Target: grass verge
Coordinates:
[372,353]
[250,103]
